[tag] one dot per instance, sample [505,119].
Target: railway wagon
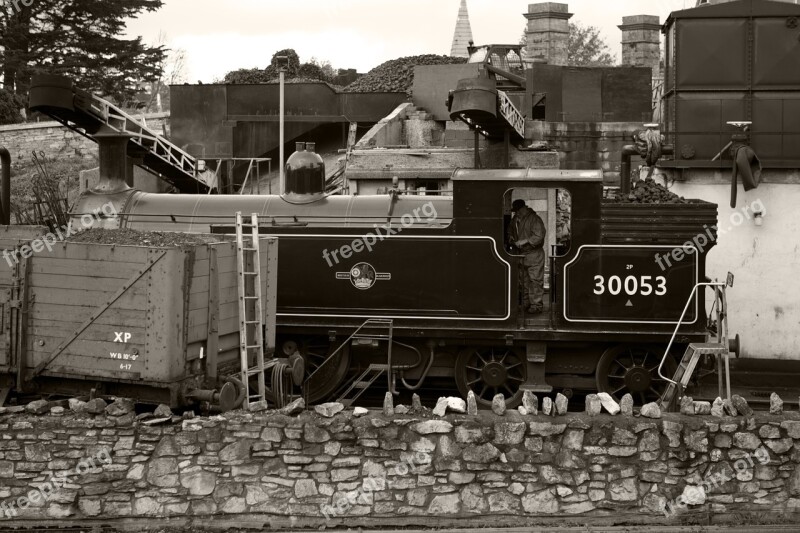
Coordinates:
[413,287]
[157,322]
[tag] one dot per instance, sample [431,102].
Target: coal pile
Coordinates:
[647,191]
[397,75]
[151,239]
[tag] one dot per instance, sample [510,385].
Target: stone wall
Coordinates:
[56,140]
[405,468]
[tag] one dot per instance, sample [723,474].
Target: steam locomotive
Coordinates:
[415,287]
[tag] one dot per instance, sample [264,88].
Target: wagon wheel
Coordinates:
[488,371]
[315,351]
[633,368]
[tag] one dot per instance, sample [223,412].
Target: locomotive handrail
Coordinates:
[372,321]
[717,285]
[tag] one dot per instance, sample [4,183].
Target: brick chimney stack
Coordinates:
[641,42]
[547,32]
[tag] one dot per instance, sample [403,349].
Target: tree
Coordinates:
[80,39]
[173,71]
[586,48]
[246,75]
[10,105]
[292,66]
[313,70]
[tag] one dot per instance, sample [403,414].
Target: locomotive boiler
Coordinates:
[413,287]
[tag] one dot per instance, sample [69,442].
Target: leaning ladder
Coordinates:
[719,349]
[251,320]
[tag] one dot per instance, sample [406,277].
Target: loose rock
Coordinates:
[416,403]
[741,405]
[441,407]
[360,411]
[38,407]
[521,409]
[96,406]
[651,410]
[472,405]
[162,411]
[329,410]
[562,403]
[388,404]
[120,407]
[547,406]
[499,405]
[76,405]
[608,403]
[626,405]
[593,405]
[401,410]
[530,402]
[256,407]
[702,408]
[730,410]
[718,408]
[294,408]
[687,405]
[456,405]
[775,404]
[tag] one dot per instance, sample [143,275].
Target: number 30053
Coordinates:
[631,285]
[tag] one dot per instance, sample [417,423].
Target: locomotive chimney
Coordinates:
[115,167]
[305,174]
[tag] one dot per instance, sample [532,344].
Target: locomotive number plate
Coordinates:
[631,284]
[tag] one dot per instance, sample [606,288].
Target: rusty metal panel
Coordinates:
[372,107]
[702,121]
[583,95]
[432,84]
[776,64]
[775,133]
[627,94]
[197,120]
[546,79]
[301,99]
[711,54]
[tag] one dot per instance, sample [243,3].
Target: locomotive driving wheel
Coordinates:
[488,371]
[633,369]
[315,351]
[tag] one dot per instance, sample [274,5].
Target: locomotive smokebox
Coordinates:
[305,174]
[115,168]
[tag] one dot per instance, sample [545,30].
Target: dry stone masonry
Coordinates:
[331,466]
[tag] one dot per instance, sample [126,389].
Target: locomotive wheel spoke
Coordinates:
[633,369]
[487,371]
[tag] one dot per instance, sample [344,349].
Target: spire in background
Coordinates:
[463,34]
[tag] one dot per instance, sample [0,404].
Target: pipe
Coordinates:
[5,187]
[625,164]
[114,164]
[281,162]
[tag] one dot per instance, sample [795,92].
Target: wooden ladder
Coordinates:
[251,320]
[686,368]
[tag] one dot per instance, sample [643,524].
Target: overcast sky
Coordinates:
[223,35]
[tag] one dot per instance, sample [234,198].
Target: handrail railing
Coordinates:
[370,321]
[720,312]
